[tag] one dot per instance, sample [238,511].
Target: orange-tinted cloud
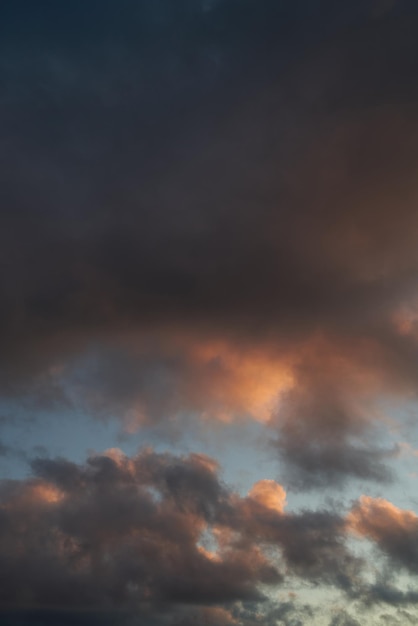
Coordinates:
[134,526]
[393,530]
[208,213]
[270,494]
[157,532]
[374,517]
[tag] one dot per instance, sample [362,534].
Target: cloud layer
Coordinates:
[155,533]
[208,216]
[251,253]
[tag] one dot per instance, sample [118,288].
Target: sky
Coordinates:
[208,313]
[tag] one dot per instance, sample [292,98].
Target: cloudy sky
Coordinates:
[209,313]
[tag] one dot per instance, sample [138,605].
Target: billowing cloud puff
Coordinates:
[269,494]
[121,532]
[154,533]
[395,531]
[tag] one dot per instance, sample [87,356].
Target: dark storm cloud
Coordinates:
[323,424]
[312,544]
[96,537]
[156,538]
[288,614]
[245,171]
[66,618]
[125,533]
[234,221]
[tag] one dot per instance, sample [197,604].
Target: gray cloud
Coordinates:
[94,536]
[393,530]
[208,212]
[343,619]
[155,537]
[179,182]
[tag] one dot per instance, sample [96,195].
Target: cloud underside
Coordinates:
[155,535]
[208,216]
[248,252]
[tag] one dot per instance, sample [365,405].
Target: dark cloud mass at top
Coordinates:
[208,212]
